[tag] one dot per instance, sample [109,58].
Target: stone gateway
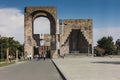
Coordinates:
[67,36]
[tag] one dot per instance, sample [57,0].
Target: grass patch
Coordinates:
[5,64]
[2,60]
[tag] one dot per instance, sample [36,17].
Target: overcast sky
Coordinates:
[104,13]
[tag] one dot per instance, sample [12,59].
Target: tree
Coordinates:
[99,51]
[9,42]
[20,51]
[107,44]
[118,45]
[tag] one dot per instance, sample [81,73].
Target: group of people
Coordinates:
[42,55]
[29,57]
[37,56]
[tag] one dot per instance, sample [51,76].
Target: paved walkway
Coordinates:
[89,68]
[30,70]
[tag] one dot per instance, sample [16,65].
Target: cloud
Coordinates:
[98,33]
[11,23]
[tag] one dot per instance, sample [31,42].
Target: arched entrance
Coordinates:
[31,13]
[41,28]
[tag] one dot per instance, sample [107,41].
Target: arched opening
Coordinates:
[41,28]
[41,25]
[31,15]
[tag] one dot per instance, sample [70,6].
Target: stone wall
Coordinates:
[37,39]
[47,39]
[85,26]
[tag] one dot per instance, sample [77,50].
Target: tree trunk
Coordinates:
[7,55]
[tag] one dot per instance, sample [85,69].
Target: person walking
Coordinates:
[30,57]
[10,58]
[44,55]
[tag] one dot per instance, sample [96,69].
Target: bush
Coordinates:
[99,51]
[107,44]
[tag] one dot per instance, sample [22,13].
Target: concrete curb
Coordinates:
[60,72]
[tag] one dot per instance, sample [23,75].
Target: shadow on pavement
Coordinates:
[108,62]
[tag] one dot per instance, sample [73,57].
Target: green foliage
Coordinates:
[118,46]
[5,64]
[9,42]
[107,44]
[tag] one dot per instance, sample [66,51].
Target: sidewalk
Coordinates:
[89,68]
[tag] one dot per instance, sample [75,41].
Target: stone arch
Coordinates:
[41,13]
[31,13]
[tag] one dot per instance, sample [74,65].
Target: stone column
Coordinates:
[16,55]
[28,47]
[7,55]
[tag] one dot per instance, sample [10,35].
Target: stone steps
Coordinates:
[71,55]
